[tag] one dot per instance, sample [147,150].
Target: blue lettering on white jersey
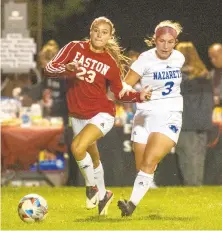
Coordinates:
[167,75]
[164,76]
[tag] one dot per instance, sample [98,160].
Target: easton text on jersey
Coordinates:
[91,63]
[167,75]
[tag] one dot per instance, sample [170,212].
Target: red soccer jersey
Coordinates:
[86,95]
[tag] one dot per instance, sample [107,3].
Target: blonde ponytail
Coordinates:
[150,41]
[116,52]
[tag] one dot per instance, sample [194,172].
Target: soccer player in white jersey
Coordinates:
[157,122]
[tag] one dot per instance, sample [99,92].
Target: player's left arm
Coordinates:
[116,87]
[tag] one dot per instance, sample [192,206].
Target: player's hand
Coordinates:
[146,93]
[126,90]
[73,66]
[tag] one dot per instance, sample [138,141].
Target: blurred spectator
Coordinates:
[215,151]
[120,118]
[129,113]
[48,51]
[54,103]
[196,89]
[215,55]
[53,96]
[31,94]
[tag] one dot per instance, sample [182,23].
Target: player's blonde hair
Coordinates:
[193,65]
[167,23]
[112,46]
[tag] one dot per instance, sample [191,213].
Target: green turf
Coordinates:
[163,208]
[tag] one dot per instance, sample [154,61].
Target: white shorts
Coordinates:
[103,121]
[145,122]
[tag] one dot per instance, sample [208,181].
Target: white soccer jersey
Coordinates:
[164,76]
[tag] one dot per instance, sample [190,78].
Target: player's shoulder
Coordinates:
[81,44]
[145,59]
[71,45]
[112,61]
[177,54]
[147,54]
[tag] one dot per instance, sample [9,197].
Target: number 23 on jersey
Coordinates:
[88,76]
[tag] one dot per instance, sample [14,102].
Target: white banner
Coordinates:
[17,52]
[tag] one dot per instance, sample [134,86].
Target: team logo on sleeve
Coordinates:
[173,128]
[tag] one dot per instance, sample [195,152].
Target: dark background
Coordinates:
[136,19]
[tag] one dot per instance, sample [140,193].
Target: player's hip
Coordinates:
[88,110]
[102,120]
[151,119]
[146,122]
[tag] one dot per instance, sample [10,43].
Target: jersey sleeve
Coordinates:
[180,58]
[139,66]
[56,67]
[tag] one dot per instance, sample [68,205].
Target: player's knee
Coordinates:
[78,150]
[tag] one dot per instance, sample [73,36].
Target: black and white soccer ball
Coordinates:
[32,208]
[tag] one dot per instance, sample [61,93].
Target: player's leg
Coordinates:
[98,169]
[86,137]
[100,124]
[91,189]
[138,149]
[158,145]
[105,196]
[127,207]
[94,153]
[104,122]
[140,134]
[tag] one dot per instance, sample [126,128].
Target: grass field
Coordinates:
[168,208]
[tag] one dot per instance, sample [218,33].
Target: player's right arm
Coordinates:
[136,70]
[131,77]
[129,81]
[134,74]
[61,65]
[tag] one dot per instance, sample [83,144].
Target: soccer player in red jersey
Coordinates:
[89,66]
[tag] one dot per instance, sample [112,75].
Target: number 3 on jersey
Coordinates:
[88,76]
[168,87]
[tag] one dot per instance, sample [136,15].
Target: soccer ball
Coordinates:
[32,208]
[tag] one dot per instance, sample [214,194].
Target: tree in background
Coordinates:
[60,10]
